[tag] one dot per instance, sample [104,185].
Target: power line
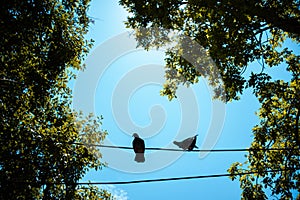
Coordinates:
[172,179]
[182,150]
[179,178]
[195,150]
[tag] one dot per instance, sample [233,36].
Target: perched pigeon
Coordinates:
[187,144]
[138,145]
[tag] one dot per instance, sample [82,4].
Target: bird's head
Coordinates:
[135,135]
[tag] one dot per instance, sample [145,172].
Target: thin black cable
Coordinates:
[195,150]
[178,178]
[170,179]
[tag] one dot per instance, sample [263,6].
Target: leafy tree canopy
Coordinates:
[235,34]
[232,32]
[40,42]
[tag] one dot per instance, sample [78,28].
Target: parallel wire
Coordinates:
[179,178]
[187,177]
[195,150]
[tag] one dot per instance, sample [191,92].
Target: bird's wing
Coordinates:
[188,143]
[185,144]
[138,145]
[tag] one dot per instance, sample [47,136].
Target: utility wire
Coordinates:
[179,178]
[195,150]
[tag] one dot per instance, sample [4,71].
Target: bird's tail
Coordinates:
[177,143]
[139,157]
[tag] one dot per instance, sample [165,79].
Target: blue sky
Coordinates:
[122,84]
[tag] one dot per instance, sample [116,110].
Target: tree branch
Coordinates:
[268,14]
[297,128]
[290,25]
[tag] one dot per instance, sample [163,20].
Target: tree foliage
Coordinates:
[41,41]
[236,34]
[278,128]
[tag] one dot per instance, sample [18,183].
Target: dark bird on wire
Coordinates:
[138,145]
[187,144]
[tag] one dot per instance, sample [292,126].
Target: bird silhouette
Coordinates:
[138,145]
[187,144]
